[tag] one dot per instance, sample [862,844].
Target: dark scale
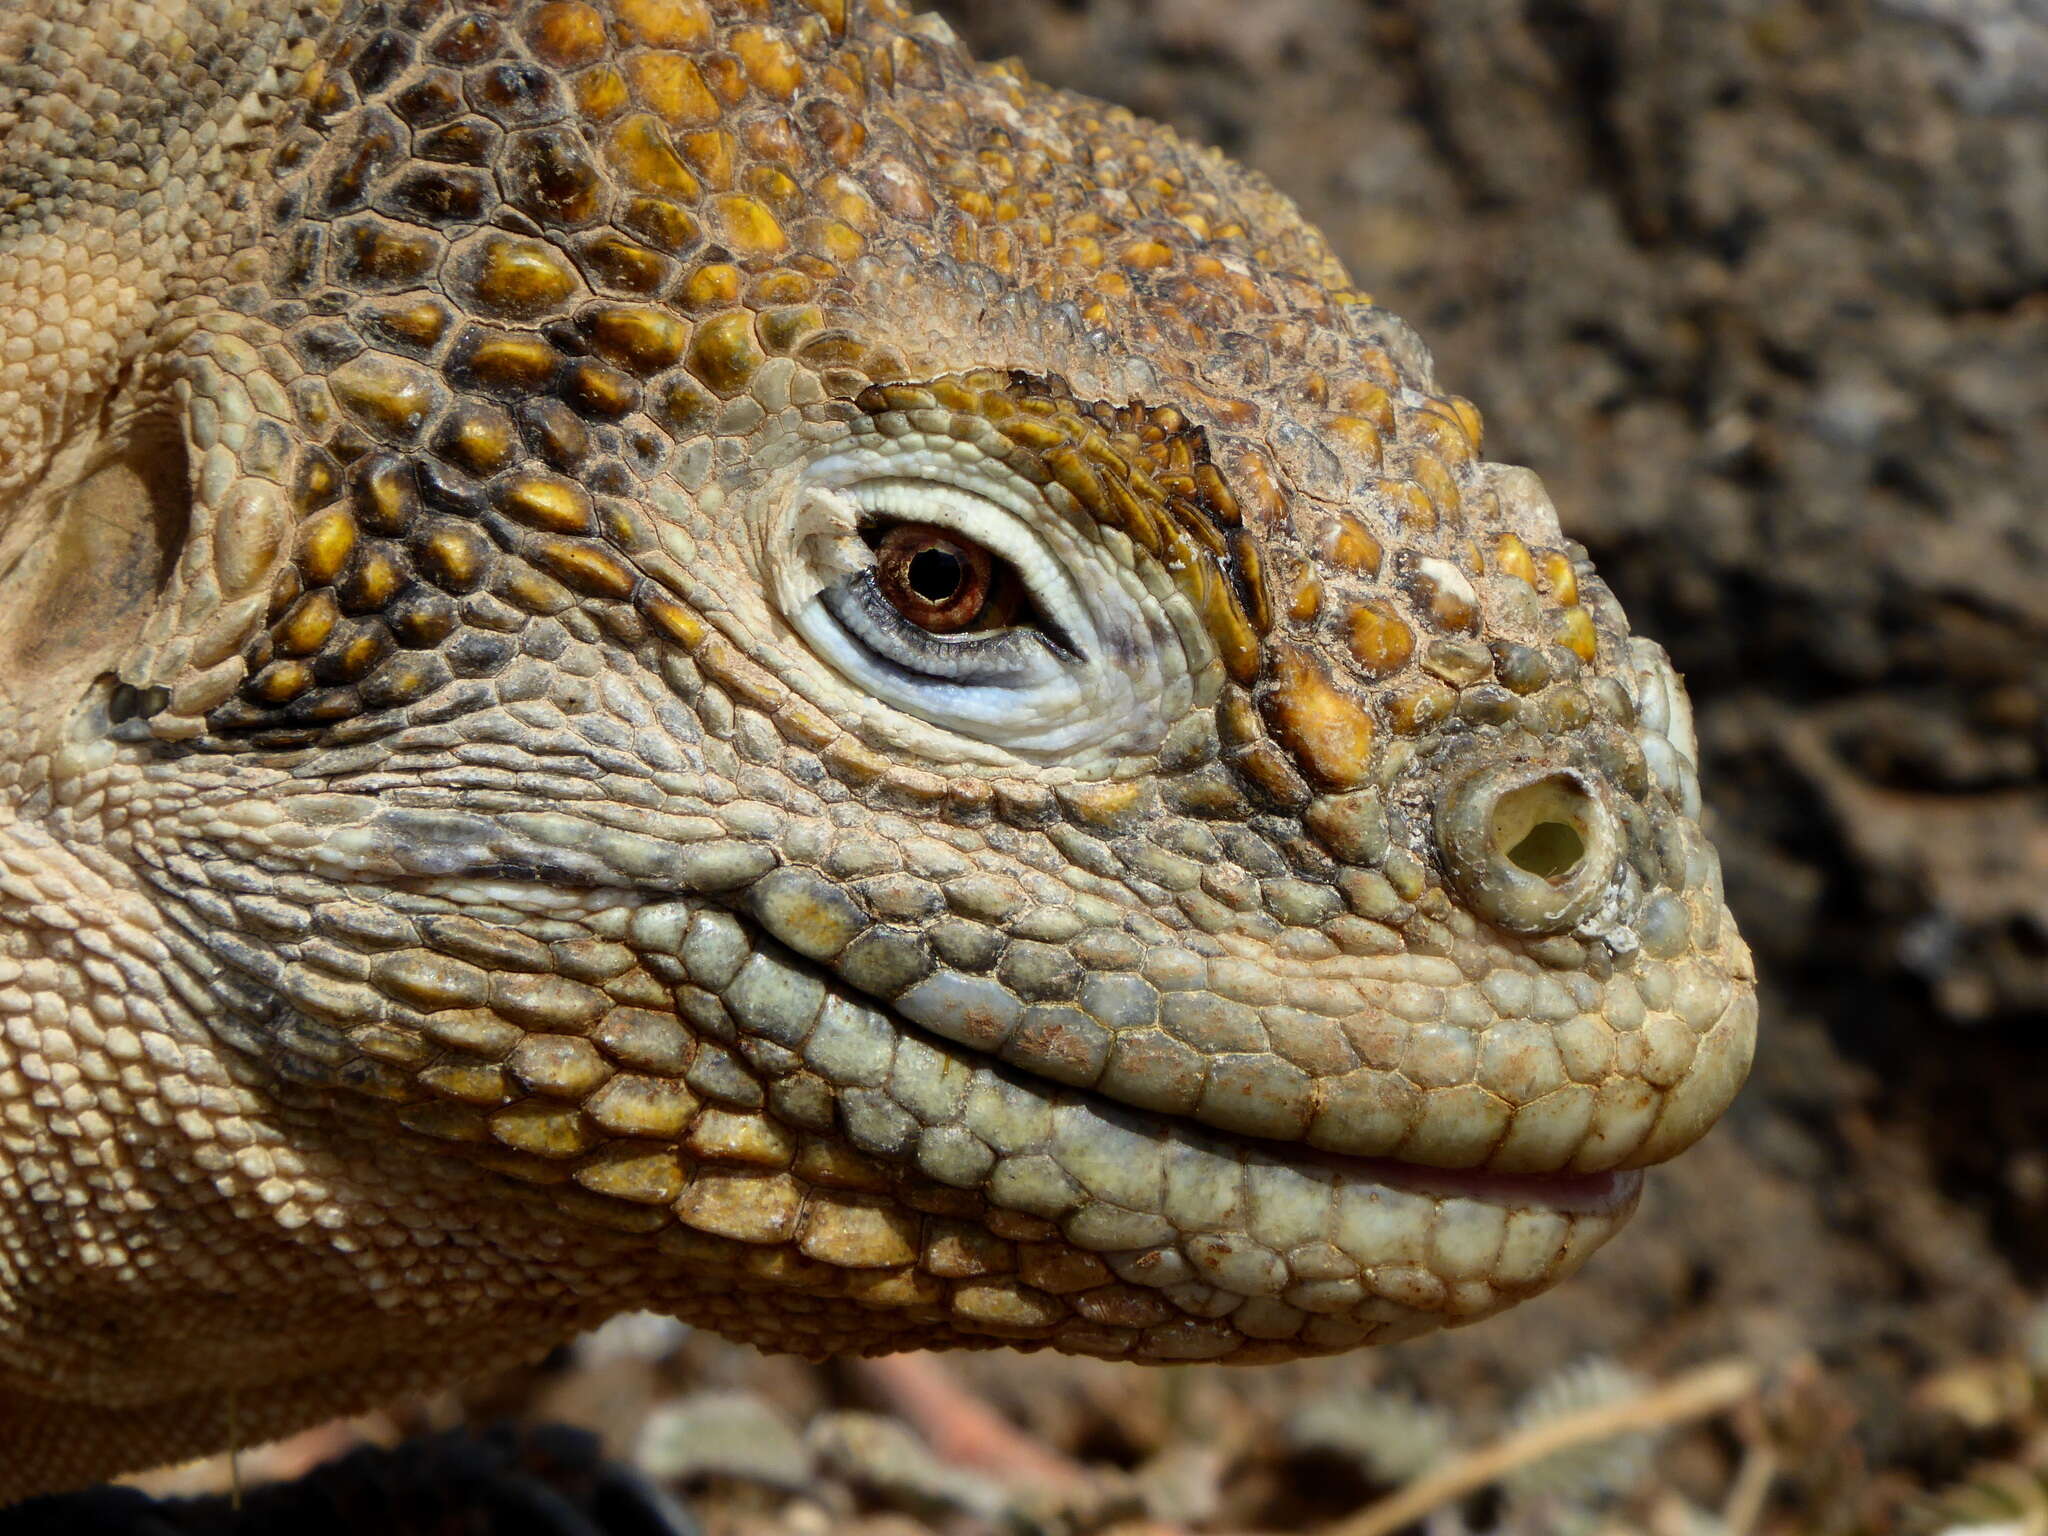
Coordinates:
[446,489]
[353,650]
[405,679]
[612,261]
[349,443]
[566,338]
[506,535]
[555,432]
[515,94]
[352,654]
[666,225]
[431,100]
[627,525]
[476,438]
[646,453]
[356,651]
[376,254]
[601,392]
[332,100]
[373,578]
[468,40]
[302,628]
[454,557]
[326,345]
[438,197]
[643,340]
[327,707]
[685,407]
[385,497]
[422,618]
[418,15]
[280,682]
[415,328]
[510,363]
[548,174]
[299,263]
[317,481]
[479,653]
[380,61]
[378,145]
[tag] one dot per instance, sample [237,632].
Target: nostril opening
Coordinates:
[1551,850]
[1528,847]
[1542,827]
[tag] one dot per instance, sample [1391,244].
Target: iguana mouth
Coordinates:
[1367,1247]
[1606,1193]
[982,1036]
[1603,1192]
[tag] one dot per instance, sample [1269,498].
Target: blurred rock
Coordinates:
[731,1435]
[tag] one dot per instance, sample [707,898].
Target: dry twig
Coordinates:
[960,1427]
[1710,1389]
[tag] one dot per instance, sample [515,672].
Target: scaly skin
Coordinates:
[460,879]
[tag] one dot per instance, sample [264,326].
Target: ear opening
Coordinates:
[84,559]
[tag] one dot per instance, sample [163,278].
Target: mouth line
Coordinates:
[1573,1193]
[1606,1193]
[1596,1194]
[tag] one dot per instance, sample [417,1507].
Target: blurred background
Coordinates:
[1760,287]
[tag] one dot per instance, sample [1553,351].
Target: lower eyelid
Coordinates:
[870,619]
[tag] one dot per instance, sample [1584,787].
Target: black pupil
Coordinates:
[935,575]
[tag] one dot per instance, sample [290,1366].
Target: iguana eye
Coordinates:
[949,587]
[943,583]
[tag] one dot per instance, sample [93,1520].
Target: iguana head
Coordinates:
[694,655]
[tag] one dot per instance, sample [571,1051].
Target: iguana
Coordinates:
[693,654]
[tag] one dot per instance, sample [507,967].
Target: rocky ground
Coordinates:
[1761,288]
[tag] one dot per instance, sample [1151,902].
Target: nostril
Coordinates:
[1541,827]
[1551,849]
[1528,846]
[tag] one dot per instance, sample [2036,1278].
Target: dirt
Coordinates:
[1760,287]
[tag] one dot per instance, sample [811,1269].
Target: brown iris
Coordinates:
[941,582]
